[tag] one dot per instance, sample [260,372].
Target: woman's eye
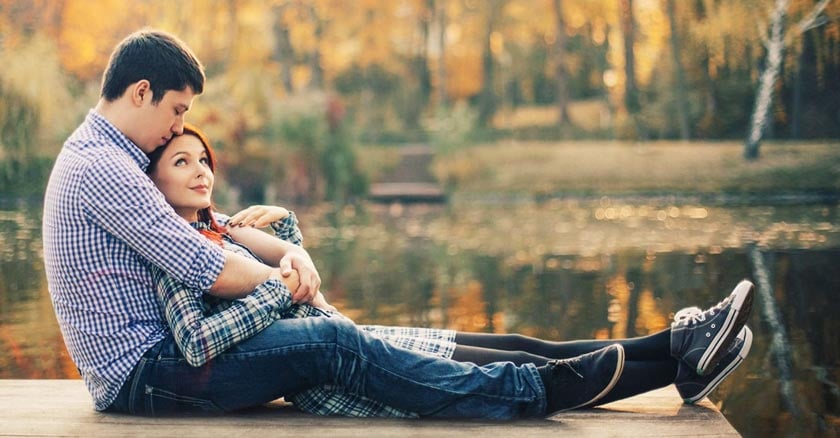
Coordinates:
[204,161]
[180,162]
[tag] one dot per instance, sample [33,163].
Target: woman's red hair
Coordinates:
[205,214]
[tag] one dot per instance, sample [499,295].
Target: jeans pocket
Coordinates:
[163,402]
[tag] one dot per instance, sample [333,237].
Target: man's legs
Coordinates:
[295,354]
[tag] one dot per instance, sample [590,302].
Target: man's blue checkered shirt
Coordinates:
[103,221]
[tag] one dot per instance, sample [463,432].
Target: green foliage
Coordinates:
[19,123]
[24,176]
[386,107]
[451,129]
[320,159]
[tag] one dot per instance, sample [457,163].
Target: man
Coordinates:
[104,222]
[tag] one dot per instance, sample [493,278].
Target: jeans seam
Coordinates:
[134,383]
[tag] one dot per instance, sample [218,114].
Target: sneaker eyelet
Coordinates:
[713,326]
[708,335]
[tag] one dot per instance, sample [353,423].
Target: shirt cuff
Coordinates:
[205,269]
[273,293]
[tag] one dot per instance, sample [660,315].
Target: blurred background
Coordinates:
[560,168]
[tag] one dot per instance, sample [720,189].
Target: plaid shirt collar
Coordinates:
[105,129]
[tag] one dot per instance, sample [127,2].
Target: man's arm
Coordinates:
[240,276]
[120,198]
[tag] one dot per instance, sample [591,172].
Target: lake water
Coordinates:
[564,269]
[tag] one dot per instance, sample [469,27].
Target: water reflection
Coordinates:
[562,270]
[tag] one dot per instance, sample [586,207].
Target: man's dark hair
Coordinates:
[162,59]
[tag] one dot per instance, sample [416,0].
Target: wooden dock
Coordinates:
[63,408]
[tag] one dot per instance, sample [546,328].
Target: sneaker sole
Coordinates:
[616,375]
[736,320]
[742,354]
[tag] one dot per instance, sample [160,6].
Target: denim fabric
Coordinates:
[292,355]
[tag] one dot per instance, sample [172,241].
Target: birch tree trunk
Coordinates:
[767,80]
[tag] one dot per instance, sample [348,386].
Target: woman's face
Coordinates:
[184,177]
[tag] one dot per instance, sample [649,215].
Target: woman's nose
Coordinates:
[201,171]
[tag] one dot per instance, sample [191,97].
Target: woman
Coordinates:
[204,326]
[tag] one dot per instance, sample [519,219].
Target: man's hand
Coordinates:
[310,281]
[258,216]
[292,281]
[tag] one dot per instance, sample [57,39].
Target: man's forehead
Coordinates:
[183,97]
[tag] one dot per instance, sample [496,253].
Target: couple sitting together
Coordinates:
[167,306]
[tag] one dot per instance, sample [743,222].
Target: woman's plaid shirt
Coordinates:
[205,326]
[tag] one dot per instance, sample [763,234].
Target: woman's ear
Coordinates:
[141,91]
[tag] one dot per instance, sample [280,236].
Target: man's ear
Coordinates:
[140,91]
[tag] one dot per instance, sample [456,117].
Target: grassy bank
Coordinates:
[588,168]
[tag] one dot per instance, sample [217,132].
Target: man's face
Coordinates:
[159,122]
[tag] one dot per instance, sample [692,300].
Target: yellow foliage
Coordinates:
[89,31]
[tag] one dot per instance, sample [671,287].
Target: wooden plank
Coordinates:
[407,192]
[63,408]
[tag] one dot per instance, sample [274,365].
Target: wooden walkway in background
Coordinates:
[411,180]
[63,408]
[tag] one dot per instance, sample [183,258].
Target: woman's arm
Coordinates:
[202,337]
[263,245]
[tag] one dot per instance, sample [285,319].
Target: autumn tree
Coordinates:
[487,99]
[632,102]
[679,80]
[560,67]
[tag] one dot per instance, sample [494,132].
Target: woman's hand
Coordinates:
[258,216]
[320,302]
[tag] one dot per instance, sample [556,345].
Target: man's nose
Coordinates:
[178,127]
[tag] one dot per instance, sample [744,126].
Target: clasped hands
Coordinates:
[300,276]
[295,270]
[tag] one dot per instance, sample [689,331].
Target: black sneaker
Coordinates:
[701,339]
[693,387]
[582,380]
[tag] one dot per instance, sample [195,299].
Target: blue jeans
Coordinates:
[292,355]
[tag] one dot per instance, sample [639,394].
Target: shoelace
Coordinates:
[687,313]
[567,365]
[695,314]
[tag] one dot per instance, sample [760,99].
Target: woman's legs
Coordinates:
[648,364]
[655,347]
